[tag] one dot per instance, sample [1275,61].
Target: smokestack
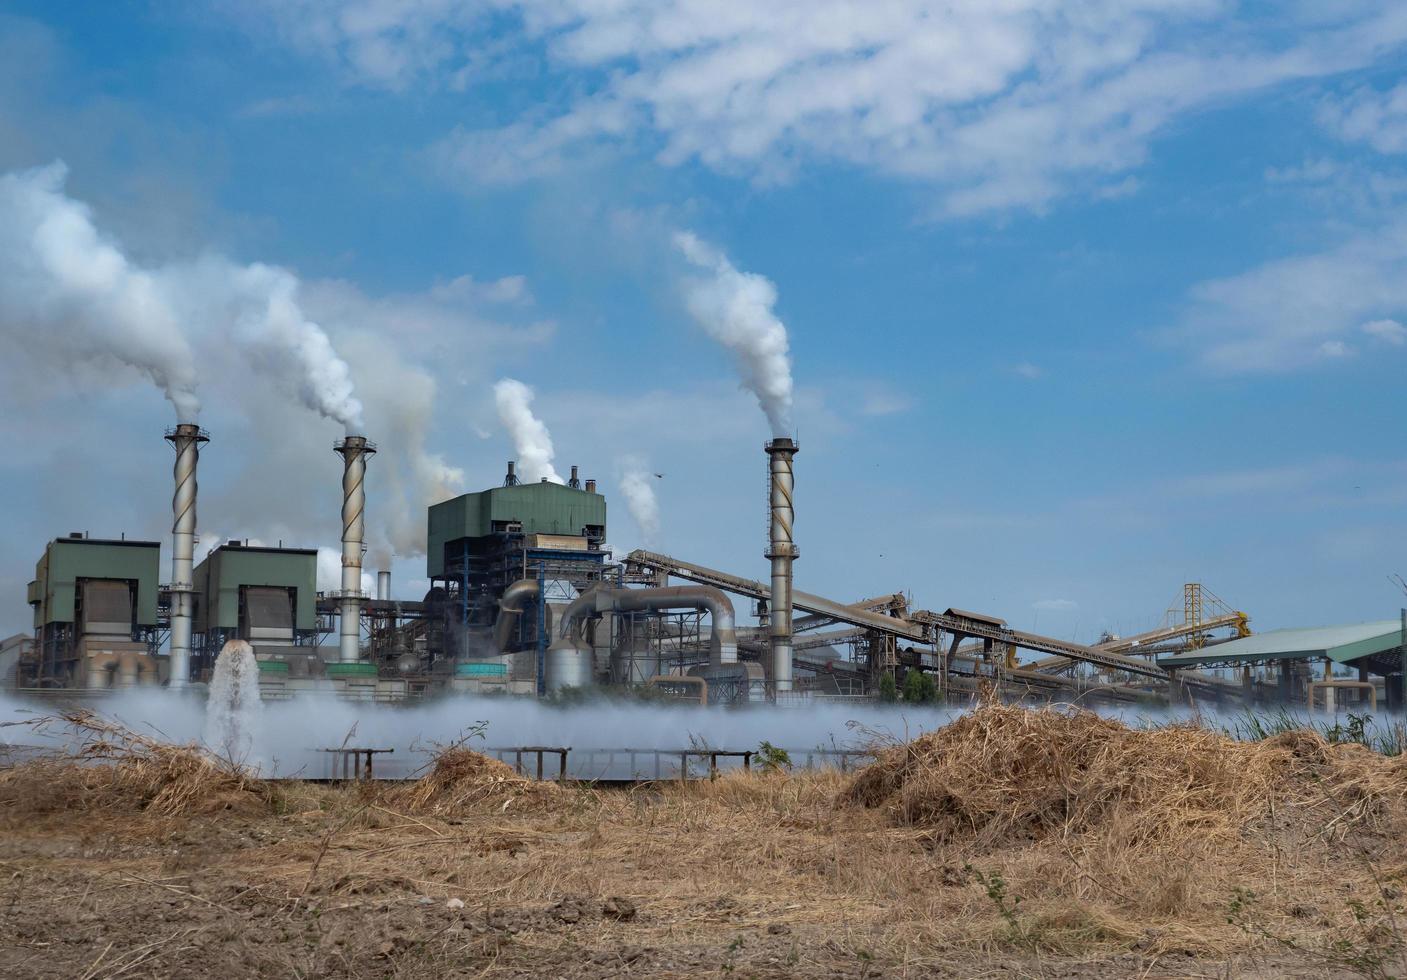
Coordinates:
[782,551]
[354,450]
[383,585]
[186,439]
[511,480]
[574,483]
[590,486]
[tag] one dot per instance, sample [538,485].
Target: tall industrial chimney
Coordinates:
[782,551]
[186,438]
[354,450]
[383,585]
[511,480]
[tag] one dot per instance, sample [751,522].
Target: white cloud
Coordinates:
[1055,605]
[1006,104]
[1369,116]
[1289,313]
[1388,331]
[880,400]
[1027,370]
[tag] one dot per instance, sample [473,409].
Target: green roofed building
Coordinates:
[95,608]
[478,544]
[1374,645]
[1371,648]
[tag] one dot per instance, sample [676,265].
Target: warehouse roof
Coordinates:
[1338,643]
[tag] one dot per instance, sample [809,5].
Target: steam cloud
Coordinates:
[67,291]
[531,439]
[735,309]
[639,493]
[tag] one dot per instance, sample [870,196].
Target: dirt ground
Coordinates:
[1011,842]
[761,876]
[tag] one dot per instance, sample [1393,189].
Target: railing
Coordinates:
[643,765]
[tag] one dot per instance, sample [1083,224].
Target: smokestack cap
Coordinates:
[354,444]
[782,444]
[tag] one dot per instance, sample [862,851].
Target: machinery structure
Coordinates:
[97,622]
[526,598]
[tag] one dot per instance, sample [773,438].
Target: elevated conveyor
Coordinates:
[817,605]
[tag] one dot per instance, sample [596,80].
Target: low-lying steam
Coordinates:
[636,485]
[735,309]
[531,440]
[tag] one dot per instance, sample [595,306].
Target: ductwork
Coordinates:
[129,668]
[186,438]
[510,607]
[782,551]
[354,451]
[723,636]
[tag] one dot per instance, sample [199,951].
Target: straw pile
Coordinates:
[117,770]
[1007,774]
[463,779]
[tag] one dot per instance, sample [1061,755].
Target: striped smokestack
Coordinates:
[186,438]
[782,550]
[354,451]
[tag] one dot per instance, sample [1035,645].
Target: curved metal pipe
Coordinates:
[723,637]
[510,607]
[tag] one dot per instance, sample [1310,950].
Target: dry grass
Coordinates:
[462,779]
[115,769]
[1012,840]
[1110,832]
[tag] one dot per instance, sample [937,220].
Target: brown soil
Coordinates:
[1056,852]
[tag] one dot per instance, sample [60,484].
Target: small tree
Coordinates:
[919,687]
[771,758]
[888,693]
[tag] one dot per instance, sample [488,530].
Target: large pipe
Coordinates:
[354,450]
[723,636]
[510,607]
[186,438]
[383,585]
[782,550]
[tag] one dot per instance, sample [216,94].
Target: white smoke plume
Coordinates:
[405,478]
[735,309]
[292,347]
[637,486]
[68,294]
[531,439]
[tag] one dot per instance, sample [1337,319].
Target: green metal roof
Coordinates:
[218,579]
[1338,643]
[542,508]
[67,560]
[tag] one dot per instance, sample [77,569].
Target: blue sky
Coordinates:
[1083,300]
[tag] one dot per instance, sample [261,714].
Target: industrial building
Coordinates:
[526,599]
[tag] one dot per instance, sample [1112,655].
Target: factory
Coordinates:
[526,599]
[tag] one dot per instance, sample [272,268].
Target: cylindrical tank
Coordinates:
[568,667]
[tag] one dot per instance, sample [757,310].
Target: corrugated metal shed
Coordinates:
[66,560]
[541,508]
[1339,643]
[219,577]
